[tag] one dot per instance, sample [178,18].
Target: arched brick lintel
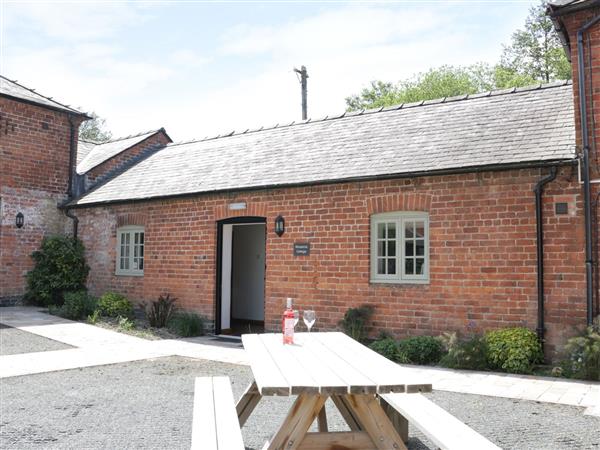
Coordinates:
[399,202]
[131,219]
[253,209]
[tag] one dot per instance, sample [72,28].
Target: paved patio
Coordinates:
[97,346]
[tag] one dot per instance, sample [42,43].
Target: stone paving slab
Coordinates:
[99,346]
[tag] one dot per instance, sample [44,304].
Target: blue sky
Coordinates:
[200,68]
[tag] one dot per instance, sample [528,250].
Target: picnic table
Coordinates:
[331,365]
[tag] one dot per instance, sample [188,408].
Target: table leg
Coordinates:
[247,403]
[340,402]
[303,413]
[322,420]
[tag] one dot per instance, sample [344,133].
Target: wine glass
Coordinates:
[309,318]
[296,317]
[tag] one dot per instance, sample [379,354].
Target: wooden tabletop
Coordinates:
[324,363]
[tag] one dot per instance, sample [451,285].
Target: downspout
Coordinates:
[72,152]
[587,193]
[539,190]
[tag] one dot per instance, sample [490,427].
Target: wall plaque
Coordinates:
[301,248]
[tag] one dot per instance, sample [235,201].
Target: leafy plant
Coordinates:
[186,324]
[421,349]
[112,304]
[93,318]
[469,354]
[355,322]
[514,350]
[77,305]
[59,267]
[584,354]
[125,323]
[160,311]
[388,347]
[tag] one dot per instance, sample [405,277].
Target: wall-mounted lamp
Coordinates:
[20,220]
[279,225]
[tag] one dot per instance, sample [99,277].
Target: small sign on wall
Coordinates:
[301,248]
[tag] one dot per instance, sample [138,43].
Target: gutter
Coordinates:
[539,224]
[587,193]
[72,159]
[430,173]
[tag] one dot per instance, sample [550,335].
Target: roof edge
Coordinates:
[72,204]
[555,10]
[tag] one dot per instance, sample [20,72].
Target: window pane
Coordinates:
[409,266]
[381,266]
[420,229]
[122,239]
[391,229]
[391,266]
[420,247]
[391,248]
[136,237]
[381,248]
[142,238]
[408,229]
[381,230]
[409,248]
[420,266]
[125,263]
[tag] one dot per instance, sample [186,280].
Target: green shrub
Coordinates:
[466,354]
[186,324]
[160,311]
[421,349]
[584,354]
[93,318]
[59,267]
[114,305]
[77,305]
[355,322]
[514,350]
[125,323]
[386,347]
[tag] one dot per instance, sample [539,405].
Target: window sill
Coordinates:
[129,274]
[400,282]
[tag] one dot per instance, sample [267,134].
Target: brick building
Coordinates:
[466,213]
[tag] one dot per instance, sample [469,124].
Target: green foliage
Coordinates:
[59,267]
[514,350]
[93,318]
[77,305]
[355,322]
[469,353]
[94,130]
[584,354]
[421,349]
[114,305]
[160,311]
[535,51]
[125,323]
[388,347]
[186,324]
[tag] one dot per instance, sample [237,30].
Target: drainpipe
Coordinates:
[587,193]
[539,224]
[72,151]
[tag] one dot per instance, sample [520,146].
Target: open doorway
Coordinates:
[241,276]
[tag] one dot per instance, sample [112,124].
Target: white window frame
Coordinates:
[399,217]
[131,230]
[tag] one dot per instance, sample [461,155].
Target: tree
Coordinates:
[94,130]
[536,51]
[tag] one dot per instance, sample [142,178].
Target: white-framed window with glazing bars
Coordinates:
[130,251]
[400,247]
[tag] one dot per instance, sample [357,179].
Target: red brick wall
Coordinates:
[34,161]
[99,172]
[482,247]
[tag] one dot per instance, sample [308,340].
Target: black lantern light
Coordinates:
[20,220]
[279,225]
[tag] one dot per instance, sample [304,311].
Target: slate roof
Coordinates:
[518,126]
[12,89]
[91,154]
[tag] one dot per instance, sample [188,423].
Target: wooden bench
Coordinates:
[215,424]
[444,430]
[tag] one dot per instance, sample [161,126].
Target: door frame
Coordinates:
[219,259]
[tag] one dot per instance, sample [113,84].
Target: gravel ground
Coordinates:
[148,404]
[14,341]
